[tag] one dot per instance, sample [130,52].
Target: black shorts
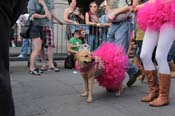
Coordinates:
[36,31]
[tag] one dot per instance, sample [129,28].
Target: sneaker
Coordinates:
[35,72]
[75,72]
[21,56]
[13,45]
[133,78]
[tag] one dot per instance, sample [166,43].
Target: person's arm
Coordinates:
[87,21]
[69,48]
[55,18]
[32,10]
[66,13]
[81,16]
[47,12]
[137,7]
[77,13]
[117,11]
[38,16]
[120,10]
[106,24]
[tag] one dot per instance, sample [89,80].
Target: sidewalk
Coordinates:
[58,94]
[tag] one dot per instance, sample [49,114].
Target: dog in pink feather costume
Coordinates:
[107,65]
[115,62]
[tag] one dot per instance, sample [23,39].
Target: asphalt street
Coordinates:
[58,94]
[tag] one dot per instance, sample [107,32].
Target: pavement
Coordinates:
[58,94]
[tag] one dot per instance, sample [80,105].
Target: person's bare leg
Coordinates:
[50,57]
[43,59]
[37,47]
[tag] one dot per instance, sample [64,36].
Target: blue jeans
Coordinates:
[93,41]
[103,34]
[24,48]
[119,33]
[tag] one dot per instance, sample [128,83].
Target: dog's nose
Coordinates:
[85,62]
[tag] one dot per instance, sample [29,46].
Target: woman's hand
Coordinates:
[77,12]
[133,8]
[74,22]
[99,24]
[112,14]
[48,15]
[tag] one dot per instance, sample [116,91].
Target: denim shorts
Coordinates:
[36,31]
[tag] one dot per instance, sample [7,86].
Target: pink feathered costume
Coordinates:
[115,63]
[152,15]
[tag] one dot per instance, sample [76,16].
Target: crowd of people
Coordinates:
[155,39]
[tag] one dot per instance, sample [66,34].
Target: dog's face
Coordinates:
[84,57]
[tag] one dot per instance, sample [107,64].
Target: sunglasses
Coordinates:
[94,6]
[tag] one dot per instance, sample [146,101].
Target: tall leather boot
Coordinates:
[164,88]
[153,86]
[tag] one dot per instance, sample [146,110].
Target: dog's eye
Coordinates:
[86,56]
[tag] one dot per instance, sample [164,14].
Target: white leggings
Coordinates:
[164,40]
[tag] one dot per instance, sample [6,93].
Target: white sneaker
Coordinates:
[75,72]
[21,56]
[13,45]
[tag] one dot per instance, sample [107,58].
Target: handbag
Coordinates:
[69,62]
[25,31]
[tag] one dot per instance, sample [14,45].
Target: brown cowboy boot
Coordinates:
[153,86]
[164,88]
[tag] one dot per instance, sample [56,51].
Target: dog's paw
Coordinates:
[84,94]
[118,93]
[89,100]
